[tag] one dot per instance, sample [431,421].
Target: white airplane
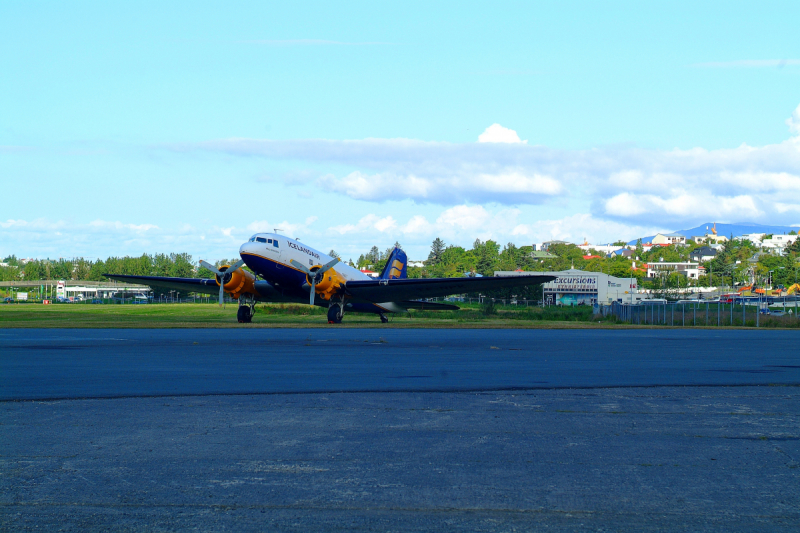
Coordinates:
[293,272]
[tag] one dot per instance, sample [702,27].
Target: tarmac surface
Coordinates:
[399,430]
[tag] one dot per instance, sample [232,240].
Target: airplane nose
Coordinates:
[246,248]
[244,252]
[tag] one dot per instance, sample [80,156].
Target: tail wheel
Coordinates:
[335,314]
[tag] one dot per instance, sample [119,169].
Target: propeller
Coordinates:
[315,277]
[222,274]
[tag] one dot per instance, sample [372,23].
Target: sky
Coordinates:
[147,127]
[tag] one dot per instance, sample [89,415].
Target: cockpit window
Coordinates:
[269,241]
[252,239]
[261,239]
[275,243]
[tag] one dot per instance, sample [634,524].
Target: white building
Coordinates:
[755,238]
[664,268]
[576,287]
[778,243]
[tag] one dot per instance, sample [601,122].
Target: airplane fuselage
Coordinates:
[270,256]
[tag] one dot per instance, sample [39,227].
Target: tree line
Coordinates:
[731,264]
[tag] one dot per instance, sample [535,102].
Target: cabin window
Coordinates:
[261,239]
[311,262]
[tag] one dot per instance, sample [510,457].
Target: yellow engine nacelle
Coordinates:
[329,284]
[241,281]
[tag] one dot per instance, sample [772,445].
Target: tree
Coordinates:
[437,249]
[333,253]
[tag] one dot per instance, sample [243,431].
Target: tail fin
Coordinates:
[396,265]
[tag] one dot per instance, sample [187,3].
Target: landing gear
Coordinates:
[383,318]
[247,308]
[335,314]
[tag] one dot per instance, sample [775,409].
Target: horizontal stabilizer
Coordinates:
[427,306]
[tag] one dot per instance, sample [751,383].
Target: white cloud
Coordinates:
[286,227]
[106,225]
[498,134]
[794,121]
[464,217]
[676,187]
[417,226]
[683,205]
[576,228]
[369,223]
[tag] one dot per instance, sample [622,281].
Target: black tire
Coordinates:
[243,315]
[335,314]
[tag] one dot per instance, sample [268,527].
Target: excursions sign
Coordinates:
[572,283]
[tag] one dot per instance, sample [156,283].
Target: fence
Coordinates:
[707,314]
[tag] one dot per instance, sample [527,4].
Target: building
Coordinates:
[755,238]
[705,253]
[664,268]
[778,243]
[668,238]
[576,287]
[546,245]
[371,273]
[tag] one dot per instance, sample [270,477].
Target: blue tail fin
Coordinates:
[396,265]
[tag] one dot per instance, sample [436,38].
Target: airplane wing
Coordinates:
[393,290]
[187,285]
[266,291]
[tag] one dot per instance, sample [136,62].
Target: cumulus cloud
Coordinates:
[106,225]
[369,223]
[285,227]
[665,187]
[576,228]
[498,134]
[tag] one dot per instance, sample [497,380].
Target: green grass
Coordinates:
[274,315]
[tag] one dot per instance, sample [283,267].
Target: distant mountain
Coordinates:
[740,228]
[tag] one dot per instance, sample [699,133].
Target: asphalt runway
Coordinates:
[399,430]
[60,364]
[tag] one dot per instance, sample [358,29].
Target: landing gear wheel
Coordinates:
[244,314]
[383,318]
[335,314]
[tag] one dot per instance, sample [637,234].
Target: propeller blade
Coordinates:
[221,292]
[210,267]
[327,266]
[236,266]
[313,275]
[300,266]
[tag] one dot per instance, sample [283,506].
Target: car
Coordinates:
[97,301]
[8,300]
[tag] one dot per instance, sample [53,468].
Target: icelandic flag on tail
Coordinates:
[396,265]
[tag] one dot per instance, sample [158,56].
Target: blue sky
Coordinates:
[188,126]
